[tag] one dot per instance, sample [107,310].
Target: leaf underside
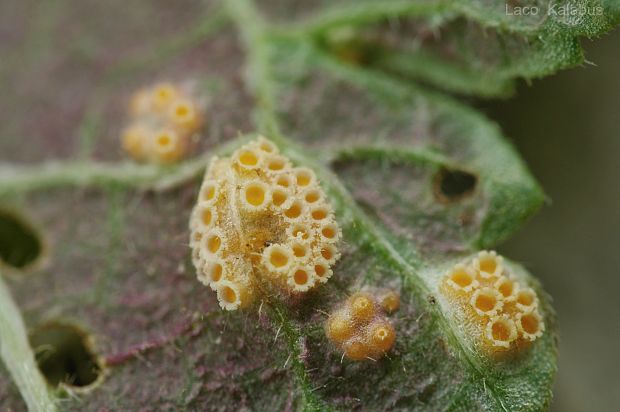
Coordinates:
[351,109]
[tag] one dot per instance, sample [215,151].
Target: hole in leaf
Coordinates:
[452,185]
[20,245]
[64,355]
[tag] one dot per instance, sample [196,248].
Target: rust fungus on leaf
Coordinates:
[502,313]
[253,222]
[163,119]
[360,328]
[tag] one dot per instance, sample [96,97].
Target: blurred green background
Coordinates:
[567,127]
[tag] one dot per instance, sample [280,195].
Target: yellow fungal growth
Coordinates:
[359,327]
[381,335]
[488,264]
[499,311]
[526,300]
[389,301]
[163,119]
[501,331]
[486,301]
[162,95]
[530,325]
[135,140]
[340,326]
[362,307]
[167,146]
[356,349]
[252,226]
[462,278]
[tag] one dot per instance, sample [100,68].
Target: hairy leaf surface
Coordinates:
[419,181]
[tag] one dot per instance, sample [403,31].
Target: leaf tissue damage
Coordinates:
[418,183]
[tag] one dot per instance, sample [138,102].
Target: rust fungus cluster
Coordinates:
[261,221]
[360,327]
[164,118]
[500,312]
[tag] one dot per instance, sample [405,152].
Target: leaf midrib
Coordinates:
[252,26]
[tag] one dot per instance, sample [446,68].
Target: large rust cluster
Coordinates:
[259,219]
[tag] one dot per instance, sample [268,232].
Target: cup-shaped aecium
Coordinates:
[260,219]
[499,312]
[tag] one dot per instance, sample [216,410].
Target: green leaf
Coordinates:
[16,355]
[469,47]
[373,121]
[419,182]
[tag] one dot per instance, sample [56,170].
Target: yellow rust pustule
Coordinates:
[389,301]
[252,224]
[359,326]
[502,313]
[163,119]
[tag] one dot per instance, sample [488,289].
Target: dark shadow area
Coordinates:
[20,245]
[453,185]
[64,355]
